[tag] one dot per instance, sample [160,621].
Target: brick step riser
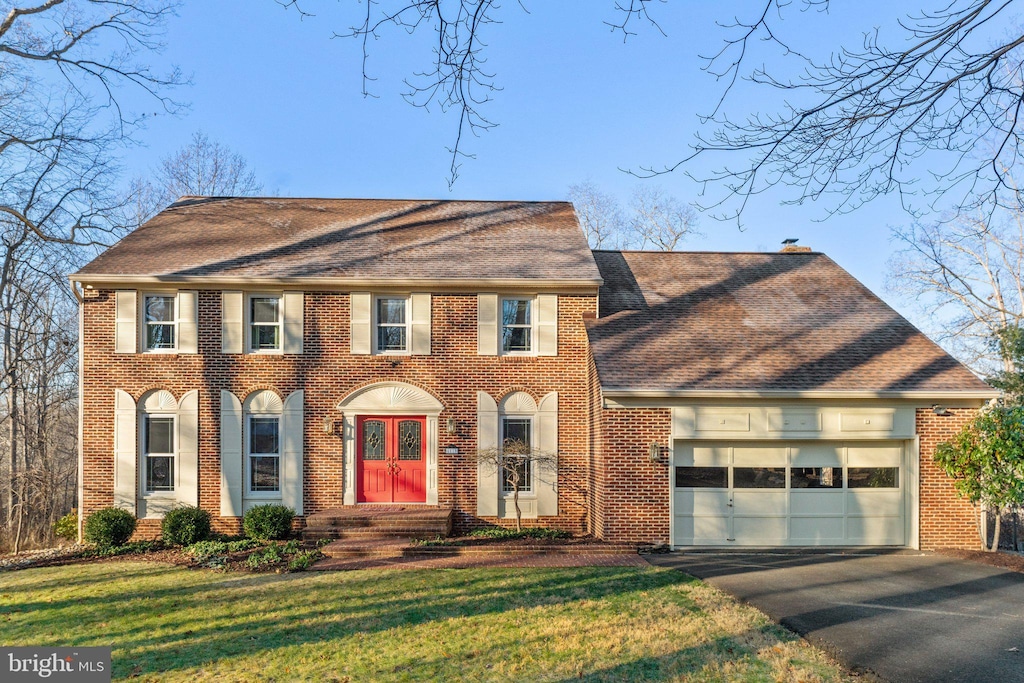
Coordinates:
[333,533]
[461,552]
[380,525]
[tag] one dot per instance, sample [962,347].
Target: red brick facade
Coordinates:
[635,489]
[947,521]
[607,482]
[452,373]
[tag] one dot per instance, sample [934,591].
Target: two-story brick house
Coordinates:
[331,353]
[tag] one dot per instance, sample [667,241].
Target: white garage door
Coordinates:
[802,494]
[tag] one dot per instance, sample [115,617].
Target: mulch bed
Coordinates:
[1002,559]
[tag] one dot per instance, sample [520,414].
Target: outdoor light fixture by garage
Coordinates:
[655,452]
[939,409]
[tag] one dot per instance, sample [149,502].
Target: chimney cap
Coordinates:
[790,240]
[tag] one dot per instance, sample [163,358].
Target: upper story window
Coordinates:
[264,454]
[158,442]
[160,322]
[517,325]
[392,325]
[264,322]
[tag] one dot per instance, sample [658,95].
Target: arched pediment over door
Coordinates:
[390,398]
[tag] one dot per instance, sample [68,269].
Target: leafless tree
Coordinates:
[203,167]
[901,112]
[599,215]
[660,220]
[66,67]
[966,274]
[517,464]
[656,220]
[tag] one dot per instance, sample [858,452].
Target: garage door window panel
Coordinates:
[873,477]
[759,477]
[816,478]
[702,477]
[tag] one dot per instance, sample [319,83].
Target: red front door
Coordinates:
[392,459]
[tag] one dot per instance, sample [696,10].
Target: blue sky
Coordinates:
[577,104]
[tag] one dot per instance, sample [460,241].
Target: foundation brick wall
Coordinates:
[635,491]
[947,520]
[453,373]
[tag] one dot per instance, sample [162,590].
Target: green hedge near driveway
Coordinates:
[595,624]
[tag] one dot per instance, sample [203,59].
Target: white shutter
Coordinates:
[487,324]
[420,323]
[486,439]
[187,489]
[547,325]
[188,316]
[126,336]
[230,455]
[360,328]
[231,332]
[293,315]
[291,452]
[125,452]
[546,477]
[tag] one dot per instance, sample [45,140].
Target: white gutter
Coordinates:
[348,284]
[623,392]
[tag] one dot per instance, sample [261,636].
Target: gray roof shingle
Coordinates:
[757,322]
[354,239]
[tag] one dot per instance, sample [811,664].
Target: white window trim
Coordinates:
[247,426]
[532,493]
[144,492]
[374,337]
[247,323]
[532,298]
[144,325]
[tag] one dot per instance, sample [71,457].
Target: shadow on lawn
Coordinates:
[159,621]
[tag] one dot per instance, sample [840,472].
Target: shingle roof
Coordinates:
[757,322]
[354,238]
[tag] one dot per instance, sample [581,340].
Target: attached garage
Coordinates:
[793,474]
[794,493]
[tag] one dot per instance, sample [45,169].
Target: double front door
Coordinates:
[392,462]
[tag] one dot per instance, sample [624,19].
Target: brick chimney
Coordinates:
[790,246]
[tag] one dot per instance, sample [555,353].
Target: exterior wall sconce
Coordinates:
[655,452]
[328,425]
[451,426]
[939,409]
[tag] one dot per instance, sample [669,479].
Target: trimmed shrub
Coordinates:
[268,522]
[67,527]
[109,527]
[185,526]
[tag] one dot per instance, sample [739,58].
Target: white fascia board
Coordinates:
[341,284]
[626,393]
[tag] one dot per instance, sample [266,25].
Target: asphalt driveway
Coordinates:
[903,616]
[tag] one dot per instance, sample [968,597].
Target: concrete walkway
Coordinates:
[902,615]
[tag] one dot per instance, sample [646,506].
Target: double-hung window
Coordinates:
[392,326]
[158,439]
[264,454]
[264,322]
[160,327]
[516,325]
[516,455]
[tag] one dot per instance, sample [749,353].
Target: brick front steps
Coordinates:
[385,546]
[372,522]
[398,553]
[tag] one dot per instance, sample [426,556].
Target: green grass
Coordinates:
[592,624]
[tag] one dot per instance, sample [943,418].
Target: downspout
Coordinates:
[81,419]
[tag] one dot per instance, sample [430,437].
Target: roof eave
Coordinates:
[821,394]
[100,280]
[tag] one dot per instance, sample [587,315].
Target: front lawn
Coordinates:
[612,623]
